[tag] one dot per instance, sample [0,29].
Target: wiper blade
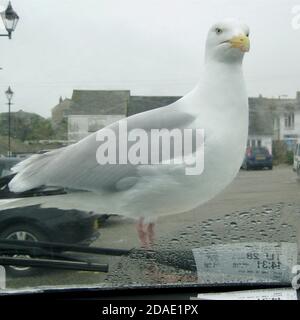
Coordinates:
[47,255]
[19,244]
[55,264]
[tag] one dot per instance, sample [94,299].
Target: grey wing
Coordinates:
[76,166]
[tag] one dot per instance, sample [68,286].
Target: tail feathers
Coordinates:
[34,159]
[28,172]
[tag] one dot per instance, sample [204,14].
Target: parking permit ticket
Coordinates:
[269,294]
[246,262]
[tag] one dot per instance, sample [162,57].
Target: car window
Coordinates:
[260,151]
[149,143]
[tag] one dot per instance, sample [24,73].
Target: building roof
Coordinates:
[139,104]
[277,105]
[62,104]
[99,102]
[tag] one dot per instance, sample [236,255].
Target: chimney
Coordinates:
[61,99]
[298,96]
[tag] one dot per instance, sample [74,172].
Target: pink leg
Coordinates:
[151,233]
[145,233]
[141,233]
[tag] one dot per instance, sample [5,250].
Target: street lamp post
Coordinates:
[9,94]
[10,19]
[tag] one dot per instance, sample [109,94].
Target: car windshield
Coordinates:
[260,150]
[263,151]
[149,143]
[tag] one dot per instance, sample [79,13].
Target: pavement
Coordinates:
[261,205]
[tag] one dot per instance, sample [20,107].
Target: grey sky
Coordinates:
[152,47]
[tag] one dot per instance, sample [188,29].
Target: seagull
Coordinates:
[73,178]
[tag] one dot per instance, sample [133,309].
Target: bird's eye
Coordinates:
[218,31]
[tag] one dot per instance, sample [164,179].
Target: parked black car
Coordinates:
[257,158]
[6,164]
[33,223]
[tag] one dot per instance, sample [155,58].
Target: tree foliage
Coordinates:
[28,126]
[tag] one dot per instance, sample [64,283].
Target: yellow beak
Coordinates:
[241,42]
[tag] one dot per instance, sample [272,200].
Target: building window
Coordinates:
[252,143]
[259,143]
[94,125]
[289,120]
[276,123]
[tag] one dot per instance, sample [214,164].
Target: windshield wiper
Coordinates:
[56,246]
[55,264]
[47,255]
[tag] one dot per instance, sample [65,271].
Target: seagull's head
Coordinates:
[227,41]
